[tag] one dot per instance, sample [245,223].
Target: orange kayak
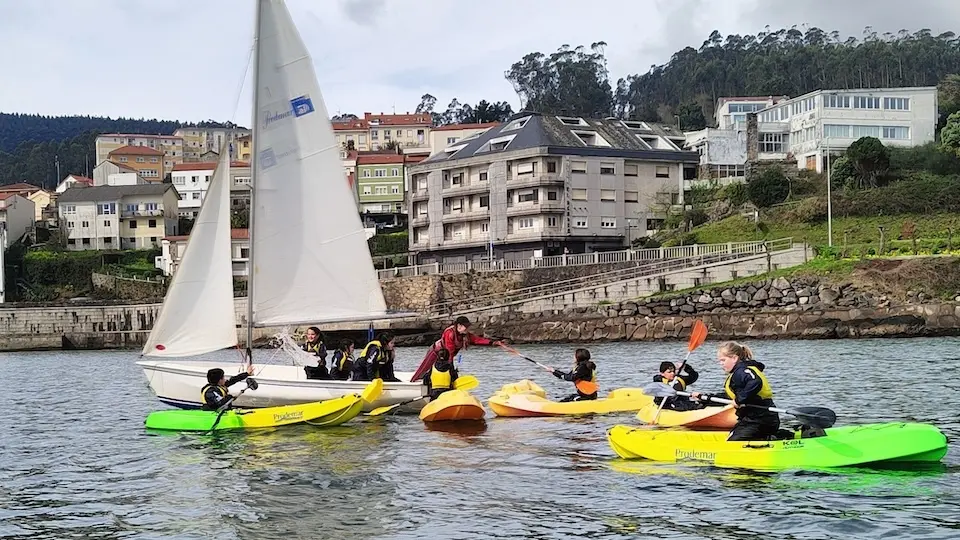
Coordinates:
[707,418]
[453,405]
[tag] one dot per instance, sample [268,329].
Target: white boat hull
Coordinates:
[179,384]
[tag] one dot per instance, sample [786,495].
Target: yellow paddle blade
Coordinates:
[381,410]
[372,391]
[466,382]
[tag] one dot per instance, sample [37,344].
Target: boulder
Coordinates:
[781,283]
[829,296]
[742,297]
[761,295]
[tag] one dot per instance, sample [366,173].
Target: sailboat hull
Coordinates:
[179,384]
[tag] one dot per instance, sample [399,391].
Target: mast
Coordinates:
[251,212]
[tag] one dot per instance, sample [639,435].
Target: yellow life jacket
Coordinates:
[203,393]
[363,353]
[765,391]
[313,348]
[439,379]
[343,359]
[679,379]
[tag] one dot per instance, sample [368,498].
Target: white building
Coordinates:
[731,112]
[193,179]
[73,180]
[173,247]
[17,215]
[108,173]
[118,217]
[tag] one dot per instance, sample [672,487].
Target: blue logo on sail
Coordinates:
[267,159]
[301,105]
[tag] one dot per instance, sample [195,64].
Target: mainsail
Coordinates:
[198,315]
[310,261]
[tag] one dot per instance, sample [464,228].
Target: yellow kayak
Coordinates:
[707,418]
[525,405]
[453,405]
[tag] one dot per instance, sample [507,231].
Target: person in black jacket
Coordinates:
[583,370]
[341,365]
[314,345]
[668,375]
[747,384]
[215,394]
[441,376]
[376,360]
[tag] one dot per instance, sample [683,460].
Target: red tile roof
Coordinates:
[421,119]
[18,187]
[351,125]
[379,159]
[122,166]
[206,165]
[415,158]
[136,151]
[139,135]
[81,179]
[454,127]
[235,234]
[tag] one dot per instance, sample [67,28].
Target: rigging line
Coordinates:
[243,79]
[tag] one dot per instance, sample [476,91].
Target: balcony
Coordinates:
[455,216]
[535,207]
[528,180]
[466,189]
[419,195]
[420,220]
[141,213]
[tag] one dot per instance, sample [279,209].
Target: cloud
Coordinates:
[363,12]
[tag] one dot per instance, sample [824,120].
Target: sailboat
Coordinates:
[309,262]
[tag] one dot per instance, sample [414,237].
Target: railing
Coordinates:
[141,213]
[644,269]
[600,257]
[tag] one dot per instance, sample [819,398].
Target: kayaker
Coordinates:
[376,360]
[341,365]
[314,345]
[668,375]
[746,384]
[441,376]
[215,393]
[583,370]
[455,338]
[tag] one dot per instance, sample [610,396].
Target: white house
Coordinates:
[73,180]
[731,112]
[173,248]
[108,173]
[17,215]
[118,217]
[193,179]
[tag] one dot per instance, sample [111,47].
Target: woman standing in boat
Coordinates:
[455,338]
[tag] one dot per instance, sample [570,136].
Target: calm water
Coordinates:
[75,461]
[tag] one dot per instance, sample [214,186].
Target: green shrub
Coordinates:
[842,173]
[926,158]
[768,188]
[809,210]
[695,217]
[389,244]
[736,193]
[920,193]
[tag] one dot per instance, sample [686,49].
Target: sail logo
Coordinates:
[301,105]
[269,158]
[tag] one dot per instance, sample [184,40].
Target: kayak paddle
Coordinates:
[697,336]
[820,417]
[463,382]
[251,385]
[585,387]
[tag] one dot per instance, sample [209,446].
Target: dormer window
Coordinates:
[516,124]
[571,121]
[591,138]
[497,144]
[629,124]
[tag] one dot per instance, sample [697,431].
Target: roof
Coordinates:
[235,234]
[455,127]
[124,167]
[145,135]
[111,193]
[416,119]
[206,165]
[81,179]
[20,186]
[558,135]
[414,158]
[351,125]
[379,159]
[135,151]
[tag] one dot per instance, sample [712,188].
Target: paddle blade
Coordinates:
[657,389]
[372,391]
[587,387]
[820,417]
[466,382]
[383,410]
[697,336]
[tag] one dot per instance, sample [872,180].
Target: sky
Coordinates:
[188,59]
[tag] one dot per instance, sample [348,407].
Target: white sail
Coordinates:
[310,257]
[198,314]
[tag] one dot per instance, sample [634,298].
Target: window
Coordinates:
[106,208]
[409,133]
[608,168]
[106,224]
[108,240]
[727,171]
[70,209]
[866,131]
[123,159]
[516,124]
[380,190]
[86,241]
[153,239]
[579,194]
[631,196]
[71,242]
[608,223]
[525,223]
[366,190]
[395,172]
[772,143]
[655,224]
[590,138]
[836,131]
[631,169]
[896,103]
[485,227]
[458,179]
[152,223]
[483,177]
[374,135]
[366,173]
[578,167]
[451,140]
[663,171]
[571,121]
[85,224]
[380,173]
[362,138]
[141,160]
[551,166]
[154,160]
[133,224]
[552,196]
[525,168]
[866,102]
[894,132]
[152,206]
[195,179]
[132,240]
[836,102]
[70,225]
[484,201]
[130,208]
[608,195]
[532,195]
[196,196]
[399,133]
[580,223]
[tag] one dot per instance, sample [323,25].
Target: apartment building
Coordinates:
[147,161]
[171,146]
[193,179]
[380,188]
[445,136]
[17,216]
[410,131]
[244,147]
[173,247]
[539,184]
[198,140]
[40,197]
[731,112]
[354,133]
[118,217]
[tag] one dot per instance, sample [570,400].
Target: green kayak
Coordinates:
[841,447]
